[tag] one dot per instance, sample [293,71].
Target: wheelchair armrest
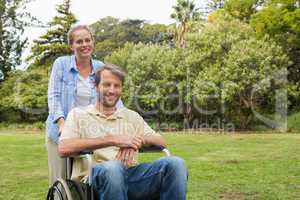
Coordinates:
[84,152]
[151,148]
[87,155]
[154,148]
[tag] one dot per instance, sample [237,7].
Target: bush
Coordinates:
[22,126]
[40,125]
[294,122]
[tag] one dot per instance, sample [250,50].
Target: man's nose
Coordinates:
[112,88]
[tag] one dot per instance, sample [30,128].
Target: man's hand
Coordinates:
[128,141]
[126,156]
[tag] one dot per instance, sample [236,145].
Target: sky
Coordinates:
[90,11]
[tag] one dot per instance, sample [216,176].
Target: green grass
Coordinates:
[225,167]
[23,167]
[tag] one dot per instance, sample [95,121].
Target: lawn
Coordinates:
[225,167]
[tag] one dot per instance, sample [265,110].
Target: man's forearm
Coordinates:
[68,147]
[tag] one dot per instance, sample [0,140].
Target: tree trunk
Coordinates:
[182,43]
[2,10]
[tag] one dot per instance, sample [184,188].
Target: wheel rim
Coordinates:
[66,190]
[59,191]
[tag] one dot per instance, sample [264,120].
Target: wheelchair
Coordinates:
[68,189]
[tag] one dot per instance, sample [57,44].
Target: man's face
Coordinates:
[109,89]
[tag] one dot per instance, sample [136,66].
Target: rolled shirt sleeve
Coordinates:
[55,91]
[144,129]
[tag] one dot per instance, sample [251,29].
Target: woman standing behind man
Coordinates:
[70,85]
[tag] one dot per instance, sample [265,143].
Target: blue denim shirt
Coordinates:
[61,91]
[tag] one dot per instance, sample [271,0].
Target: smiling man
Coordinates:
[115,135]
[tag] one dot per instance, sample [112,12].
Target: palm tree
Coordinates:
[184,12]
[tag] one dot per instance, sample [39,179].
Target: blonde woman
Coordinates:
[71,85]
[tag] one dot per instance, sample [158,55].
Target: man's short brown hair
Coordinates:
[114,69]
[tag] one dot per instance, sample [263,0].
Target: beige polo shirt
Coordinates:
[88,122]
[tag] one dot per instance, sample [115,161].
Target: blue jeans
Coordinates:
[165,178]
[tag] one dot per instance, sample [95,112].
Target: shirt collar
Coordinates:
[119,113]
[73,65]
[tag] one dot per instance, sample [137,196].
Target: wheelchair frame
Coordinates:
[73,190]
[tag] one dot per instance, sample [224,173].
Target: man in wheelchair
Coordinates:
[115,136]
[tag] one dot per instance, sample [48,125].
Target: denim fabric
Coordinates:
[61,91]
[165,178]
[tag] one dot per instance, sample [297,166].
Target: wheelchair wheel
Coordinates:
[76,190]
[65,190]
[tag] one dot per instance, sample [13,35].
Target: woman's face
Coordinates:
[83,44]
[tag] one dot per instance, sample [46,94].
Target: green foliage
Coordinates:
[155,63]
[226,69]
[213,5]
[293,122]
[26,94]
[121,56]
[238,70]
[242,9]
[22,126]
[111,33]
[185,13]
[224,64]
[280,20]
[54,43]
[277,19]
[12,22]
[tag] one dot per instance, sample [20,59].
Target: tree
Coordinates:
[213,5]
[242,9]
[24,95]
[155,34]
[111,33]
[280,20]
[185,12]
[12,22]
[158,98]
[239,72]
[224,73]
[54,43]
